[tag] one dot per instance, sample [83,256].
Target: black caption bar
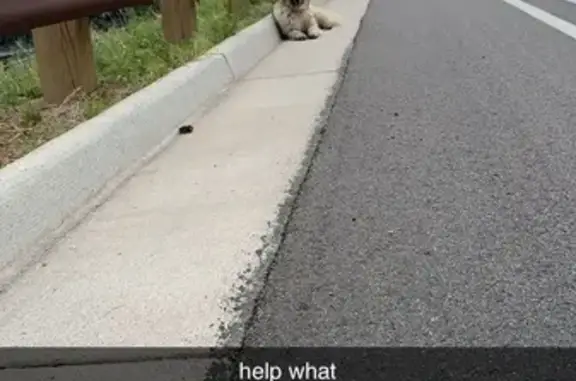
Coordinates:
[279,364]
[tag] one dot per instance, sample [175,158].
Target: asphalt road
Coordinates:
[440,209]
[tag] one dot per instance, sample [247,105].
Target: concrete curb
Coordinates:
[41,192]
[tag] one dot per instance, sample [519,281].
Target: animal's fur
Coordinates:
[298,20]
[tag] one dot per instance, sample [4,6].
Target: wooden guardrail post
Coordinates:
[65,59]
[178,19]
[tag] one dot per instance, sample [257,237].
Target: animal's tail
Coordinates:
[326,19]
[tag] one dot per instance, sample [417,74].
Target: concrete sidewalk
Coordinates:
[158,264]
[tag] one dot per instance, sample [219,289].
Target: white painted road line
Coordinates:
[547,18]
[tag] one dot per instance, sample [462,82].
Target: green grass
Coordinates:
[127,59]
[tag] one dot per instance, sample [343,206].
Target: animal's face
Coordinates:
[298,4]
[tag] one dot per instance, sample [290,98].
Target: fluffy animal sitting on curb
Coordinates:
[298,20]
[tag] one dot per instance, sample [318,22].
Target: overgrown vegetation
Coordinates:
[127,59]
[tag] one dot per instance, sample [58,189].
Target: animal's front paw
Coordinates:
[314,32]
[296,35]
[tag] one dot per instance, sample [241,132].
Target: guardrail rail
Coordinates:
[62,36]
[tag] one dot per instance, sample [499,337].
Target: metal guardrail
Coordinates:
[61,34]
[21,45]
[21,16]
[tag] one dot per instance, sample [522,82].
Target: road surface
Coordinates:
[440,207]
